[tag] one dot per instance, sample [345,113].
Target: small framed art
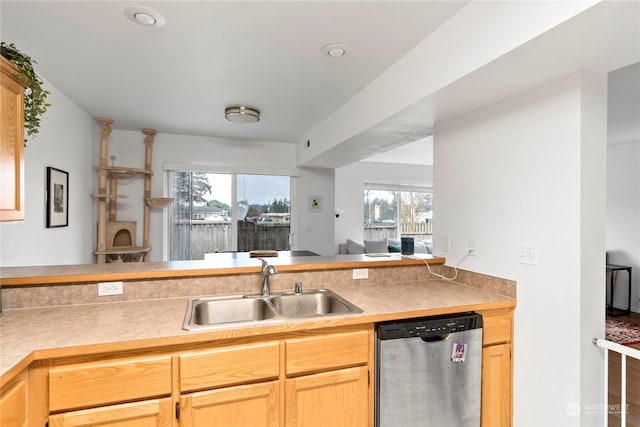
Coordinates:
[57,198]
[315,203]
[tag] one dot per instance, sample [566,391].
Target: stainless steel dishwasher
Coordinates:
[428,371]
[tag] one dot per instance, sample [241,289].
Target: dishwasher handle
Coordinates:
[435,338]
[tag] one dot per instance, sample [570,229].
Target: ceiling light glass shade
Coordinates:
[144,16]
[239,114]
[145,19]
[335,50]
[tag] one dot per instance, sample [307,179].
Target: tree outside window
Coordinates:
[415,209]
[395,212]
[202,215]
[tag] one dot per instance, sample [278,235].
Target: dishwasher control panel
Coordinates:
[429,326]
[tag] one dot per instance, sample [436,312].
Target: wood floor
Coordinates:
[633,384]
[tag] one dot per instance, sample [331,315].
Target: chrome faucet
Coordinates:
[267,270]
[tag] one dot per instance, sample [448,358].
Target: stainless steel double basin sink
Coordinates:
[207,312]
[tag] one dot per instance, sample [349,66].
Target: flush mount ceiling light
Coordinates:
[241,114]
[144,16]
[335,50]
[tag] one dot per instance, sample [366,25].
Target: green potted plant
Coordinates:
[35,97]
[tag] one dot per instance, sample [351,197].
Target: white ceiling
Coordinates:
[211,54]
[266,54]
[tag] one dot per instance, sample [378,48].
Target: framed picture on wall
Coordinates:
[57,198]
[315,203]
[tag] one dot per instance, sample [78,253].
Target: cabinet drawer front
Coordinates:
[97,383]
[152,413]
[228,366]
[496,329]
[326,352]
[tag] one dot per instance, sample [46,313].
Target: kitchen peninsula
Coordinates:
[67,356]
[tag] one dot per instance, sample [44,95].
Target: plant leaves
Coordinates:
[35,97]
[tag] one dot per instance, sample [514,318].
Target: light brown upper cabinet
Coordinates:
[11,143]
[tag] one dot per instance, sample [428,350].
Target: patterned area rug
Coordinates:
[622,332]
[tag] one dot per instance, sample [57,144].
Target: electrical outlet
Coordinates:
[110,288]
[445,243]
[528,253]
[360,273]
[472,247]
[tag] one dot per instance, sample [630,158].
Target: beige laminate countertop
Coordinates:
[41,333]
[219,264]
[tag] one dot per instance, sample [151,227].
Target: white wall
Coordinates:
[65,142]
[623,218]
[313,229]
[515,172]
[349,192]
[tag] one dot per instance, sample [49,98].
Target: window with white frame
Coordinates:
[392,211]
[227,212]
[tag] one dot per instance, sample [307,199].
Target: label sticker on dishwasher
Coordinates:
[458,352]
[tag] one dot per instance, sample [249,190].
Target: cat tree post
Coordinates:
[148,145]
[102,187]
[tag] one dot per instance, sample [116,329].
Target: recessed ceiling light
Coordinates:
[335,50]
[144,19]
[144,16]
[242,114]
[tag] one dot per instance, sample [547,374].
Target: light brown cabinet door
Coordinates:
[336,398]
[13,405]
[254,405]
[496,386]
[11,144]
[150,413]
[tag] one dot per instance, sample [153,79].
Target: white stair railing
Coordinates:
[624,352]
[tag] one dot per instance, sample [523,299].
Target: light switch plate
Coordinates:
[528,253]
